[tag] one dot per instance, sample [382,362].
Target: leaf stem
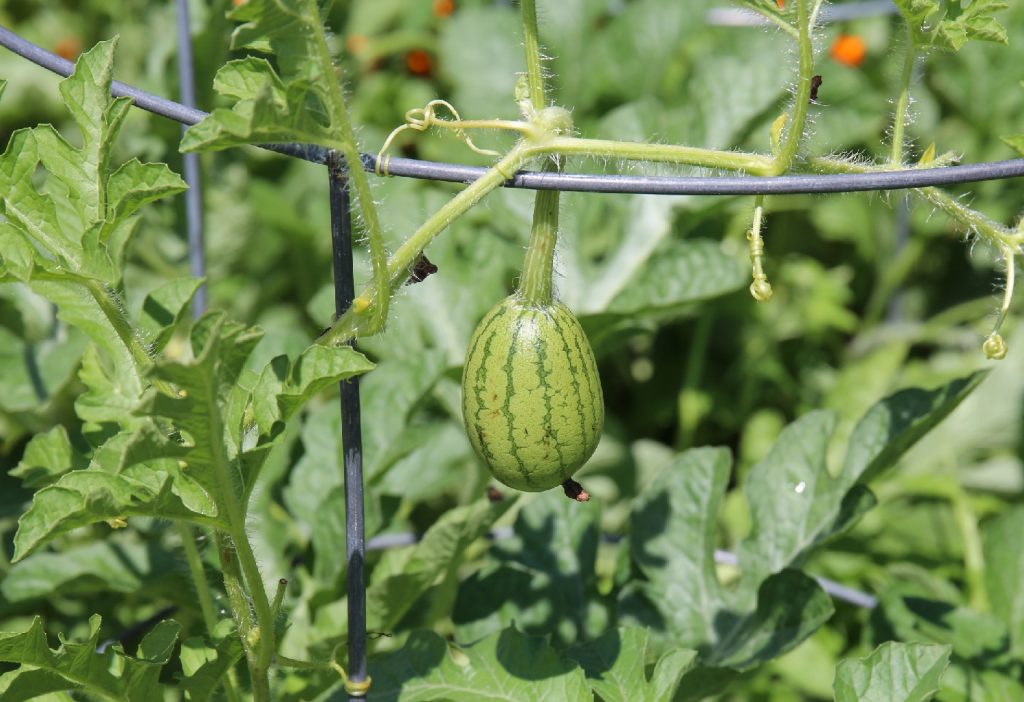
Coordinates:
[195,567]
[798,119]
[234,587]
[114,311]
[286,662]
[756,164]
[974,558]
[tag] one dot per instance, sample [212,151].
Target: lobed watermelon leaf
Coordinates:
[893,672]
[949,25]
[110,674]
[796,505]
[505,666]
[285,102]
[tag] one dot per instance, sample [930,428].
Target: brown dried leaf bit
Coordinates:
[420,270]
[575,491]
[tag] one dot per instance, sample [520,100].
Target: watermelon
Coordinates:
[531,395]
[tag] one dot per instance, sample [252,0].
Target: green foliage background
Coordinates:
[686,357]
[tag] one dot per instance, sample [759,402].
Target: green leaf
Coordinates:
[285,105]
[915,614]
[111,674]
[110,566]
[616,667]
[84,497]
[505,666]
[894,672]
[542,579]
[495,53]
[101,196]
[1016,142]
[645,274]
[796,504]
[681,273]
[47,457]
[950,25]
[403,575]
[113,391]
[16,254]
[283,388]
[915,12]
[163,308]
[896,423]
[1004,572]
[190,397]
[975,21]
[67,232]
[203,665]
[32,373]
[790,607]
[30,213]
[672,541]
[135,184]
[31,684]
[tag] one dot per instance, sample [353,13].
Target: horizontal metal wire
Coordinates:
[655,185]
[739,17]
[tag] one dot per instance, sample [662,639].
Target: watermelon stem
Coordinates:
[535,285]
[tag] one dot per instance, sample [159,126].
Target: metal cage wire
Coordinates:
[341,236]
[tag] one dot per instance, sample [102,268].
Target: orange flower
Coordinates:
[236,3]
[780,3]
[849,50]
[443,8]
[68,48]
[356,43]
[419,62]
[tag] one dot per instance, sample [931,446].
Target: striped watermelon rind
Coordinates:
[531,395]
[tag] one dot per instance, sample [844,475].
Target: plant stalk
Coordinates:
[974,558]
[755,164]
[903,100]
[348,147]
[195,567]
[352,322]
[970,220]
[535,285]
[798,118]
[115,314]
[531,43]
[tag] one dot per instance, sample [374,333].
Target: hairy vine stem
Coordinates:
[531,43]
[538,141]
[798,119]
[353,322]
[899,122]
[347,146]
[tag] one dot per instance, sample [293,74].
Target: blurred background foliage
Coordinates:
[870,295]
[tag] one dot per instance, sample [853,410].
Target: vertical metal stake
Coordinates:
[344,291]
[194,194]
